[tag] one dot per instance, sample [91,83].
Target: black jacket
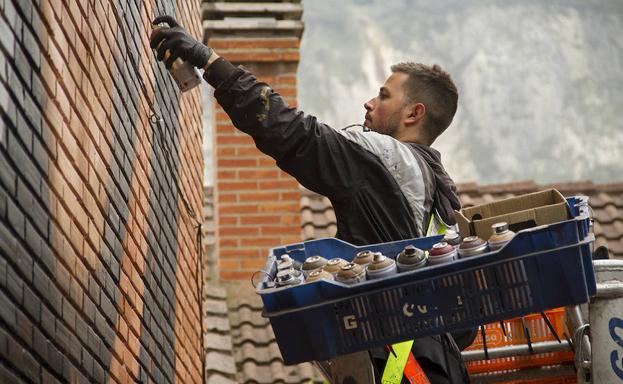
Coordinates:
[381,189]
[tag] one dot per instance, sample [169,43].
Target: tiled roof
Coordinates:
[257,355]
[606,200]
[217,342]
[317,216]
[219,359]
[254,350]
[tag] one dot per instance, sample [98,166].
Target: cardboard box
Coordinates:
[520,212]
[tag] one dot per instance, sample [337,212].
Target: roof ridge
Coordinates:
[609,186]
[503,187]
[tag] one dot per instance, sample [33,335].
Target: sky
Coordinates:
[540,82]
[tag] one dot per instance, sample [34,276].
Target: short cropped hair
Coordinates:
[433,87]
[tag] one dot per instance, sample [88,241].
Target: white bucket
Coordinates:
[606,323]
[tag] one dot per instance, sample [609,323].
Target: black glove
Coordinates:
[179,44]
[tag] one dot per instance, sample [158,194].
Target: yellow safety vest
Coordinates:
[397,366]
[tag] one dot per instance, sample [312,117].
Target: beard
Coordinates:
[387,126]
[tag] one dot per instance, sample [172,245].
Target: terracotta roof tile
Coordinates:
[610,234]
[216,307]
[247,332]
[246,315]
[601,199]
[220,362]
[608,214]
[212,291]
[307,216]
[309,231]
[246,296]
[219,379]
[317,216]
[217,324]
[250,351]
[615,231]
[276,373]
[218,342]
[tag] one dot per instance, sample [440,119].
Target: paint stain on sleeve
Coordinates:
[264,98]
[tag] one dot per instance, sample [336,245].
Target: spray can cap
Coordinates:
[500,227]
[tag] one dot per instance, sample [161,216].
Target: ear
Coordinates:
[415,114]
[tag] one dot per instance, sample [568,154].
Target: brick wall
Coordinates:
[97,250]
[257,206]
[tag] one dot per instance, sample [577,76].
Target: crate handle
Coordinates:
[253,277]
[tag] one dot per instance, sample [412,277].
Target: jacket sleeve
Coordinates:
[319,157]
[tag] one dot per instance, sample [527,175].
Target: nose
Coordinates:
[368,105]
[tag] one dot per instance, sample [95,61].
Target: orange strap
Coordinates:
[414,372]
[401,363]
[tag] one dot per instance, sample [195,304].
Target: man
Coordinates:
[384,185]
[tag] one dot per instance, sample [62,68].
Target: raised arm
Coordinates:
[319,157]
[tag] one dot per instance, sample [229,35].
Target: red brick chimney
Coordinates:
[257,206]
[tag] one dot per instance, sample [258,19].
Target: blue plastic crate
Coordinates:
[541,268]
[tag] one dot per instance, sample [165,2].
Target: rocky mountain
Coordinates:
[540,82]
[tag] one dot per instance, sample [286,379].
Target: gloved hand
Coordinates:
[179,44]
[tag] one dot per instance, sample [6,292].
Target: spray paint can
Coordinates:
[285,262]
[289,277]
[381,266]
[333,265]
[501,236]
[472,246]
[351,273]
[319,274]
[452,237]
[186,75]
[312,263]
[410,258]
[363,258]
[441,253]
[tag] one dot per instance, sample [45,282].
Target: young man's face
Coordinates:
[384,113]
